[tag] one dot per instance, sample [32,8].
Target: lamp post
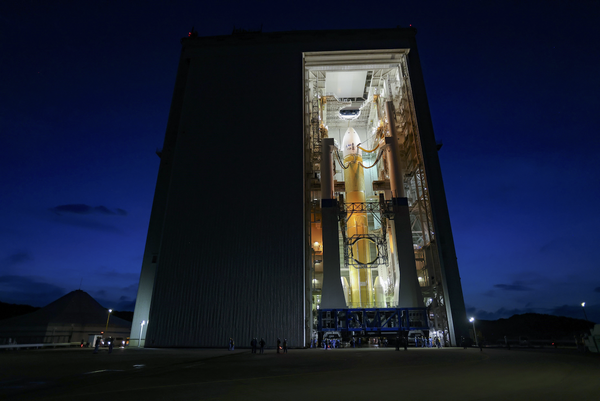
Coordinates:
[141,330]
[472,320]
[107,319]
[583,307]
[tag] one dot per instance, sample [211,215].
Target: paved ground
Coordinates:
[180,374]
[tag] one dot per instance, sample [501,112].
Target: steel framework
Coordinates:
[373,320]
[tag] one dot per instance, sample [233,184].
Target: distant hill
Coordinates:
[534,326]
[12,310]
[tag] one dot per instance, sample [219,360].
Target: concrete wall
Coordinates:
[455,304]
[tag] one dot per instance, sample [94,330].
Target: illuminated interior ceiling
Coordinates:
[346,84]
[345,88]
[350,79]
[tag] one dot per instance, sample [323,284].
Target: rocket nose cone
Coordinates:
[350,142]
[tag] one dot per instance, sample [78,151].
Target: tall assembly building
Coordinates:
[299,192]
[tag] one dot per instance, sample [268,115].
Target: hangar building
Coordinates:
[299,192]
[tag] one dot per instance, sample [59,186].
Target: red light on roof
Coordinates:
[189,34]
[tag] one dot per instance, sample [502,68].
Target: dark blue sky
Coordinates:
[513,89]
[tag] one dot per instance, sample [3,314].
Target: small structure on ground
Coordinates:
[71,318]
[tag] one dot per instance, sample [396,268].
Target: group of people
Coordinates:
[326,343]
[331,343]
[428,342]
[260,345]
[254,344]
[97,345]
[280,347]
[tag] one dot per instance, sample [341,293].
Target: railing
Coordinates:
[40,345]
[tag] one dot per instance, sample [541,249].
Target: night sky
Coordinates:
[513,88]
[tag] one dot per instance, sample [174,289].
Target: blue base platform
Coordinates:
[372,319]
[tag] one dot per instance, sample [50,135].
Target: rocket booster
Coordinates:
[360,279]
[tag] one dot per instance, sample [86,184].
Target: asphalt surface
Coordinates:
[312,374]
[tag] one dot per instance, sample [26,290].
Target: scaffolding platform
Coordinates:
[368,320]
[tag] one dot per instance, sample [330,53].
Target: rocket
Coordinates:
[360,279]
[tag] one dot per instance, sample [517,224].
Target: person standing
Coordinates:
[253,345]
[285,345]
[110,345]
[278,345]
[231,345]
[262,345]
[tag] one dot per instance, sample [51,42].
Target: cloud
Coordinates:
[81,209]
[17,258]
[119,295]
[28,291]
[126,305]
[513,287]
[131,288]
[77,209]
[103,210]
[92,225]
[123,303]
[577,311]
